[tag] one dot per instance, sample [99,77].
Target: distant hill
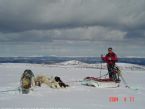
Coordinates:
[55,59]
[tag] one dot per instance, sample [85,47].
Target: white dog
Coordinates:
[49,81]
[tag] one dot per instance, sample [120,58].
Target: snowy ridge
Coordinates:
[75,63]
[128,66]
[79,64]
[72,62]
[122,66]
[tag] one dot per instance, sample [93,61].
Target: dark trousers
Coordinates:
[110,70]
[113,74]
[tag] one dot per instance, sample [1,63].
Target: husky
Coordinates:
[117,74]
[55,82]
[27,81]
[60,82]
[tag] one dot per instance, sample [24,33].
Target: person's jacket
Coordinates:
[110,58]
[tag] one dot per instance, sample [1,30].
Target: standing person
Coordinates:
[110,58]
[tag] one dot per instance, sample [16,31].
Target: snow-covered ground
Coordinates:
[76,96]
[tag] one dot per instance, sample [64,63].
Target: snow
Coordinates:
[78,64]
[76,96]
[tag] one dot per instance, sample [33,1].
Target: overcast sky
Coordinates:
[72,27]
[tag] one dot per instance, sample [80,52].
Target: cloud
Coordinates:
[74,34]
[20,15]
[110,22]
[136,34]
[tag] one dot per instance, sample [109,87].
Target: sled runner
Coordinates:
[100,83]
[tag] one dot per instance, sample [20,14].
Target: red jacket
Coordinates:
[110,58]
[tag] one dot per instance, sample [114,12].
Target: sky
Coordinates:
[72,27]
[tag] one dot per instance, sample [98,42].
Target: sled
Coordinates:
[100,83]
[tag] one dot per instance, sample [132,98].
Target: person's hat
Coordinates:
[110,48]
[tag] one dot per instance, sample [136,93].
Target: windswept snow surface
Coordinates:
[76,96]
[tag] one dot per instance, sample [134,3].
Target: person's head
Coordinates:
[110,50]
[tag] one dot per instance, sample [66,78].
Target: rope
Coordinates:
[120,74]
[124,81]
[126,85]
[75,81]
[17,89]
[103,75]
